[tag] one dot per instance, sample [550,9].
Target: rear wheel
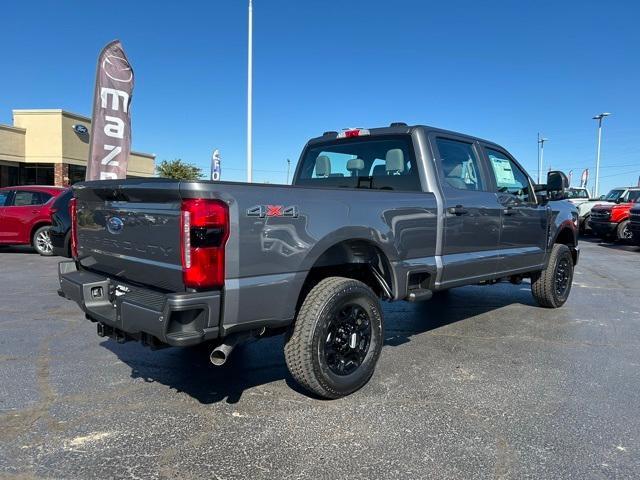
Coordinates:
[623,232]
[41,241]
[334,345]
[551,286]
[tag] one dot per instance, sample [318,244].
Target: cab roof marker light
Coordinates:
[353,132]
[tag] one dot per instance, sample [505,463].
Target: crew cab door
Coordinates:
[471,211]
[523,237]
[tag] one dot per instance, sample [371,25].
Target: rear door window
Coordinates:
[25,197]
[459,165]
[4,196]
[384,163]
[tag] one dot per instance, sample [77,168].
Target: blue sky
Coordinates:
[498,70]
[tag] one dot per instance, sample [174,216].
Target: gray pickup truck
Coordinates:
[394,213]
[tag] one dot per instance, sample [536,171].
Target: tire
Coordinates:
[334,345]
[41,241]
[623,232]
[551,286]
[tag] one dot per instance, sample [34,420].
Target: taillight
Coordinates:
[73,213]
[204,233]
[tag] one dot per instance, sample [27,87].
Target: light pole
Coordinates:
[250,97]
[598,117]
[541,141]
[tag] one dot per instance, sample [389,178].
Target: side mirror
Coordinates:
[557,185]
[619,200]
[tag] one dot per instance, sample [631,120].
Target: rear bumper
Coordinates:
[603,228]
[127,312]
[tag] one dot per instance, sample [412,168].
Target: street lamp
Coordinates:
[541,141]
[599,117]
[250,96]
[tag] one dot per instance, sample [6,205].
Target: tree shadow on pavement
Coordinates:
[262,362]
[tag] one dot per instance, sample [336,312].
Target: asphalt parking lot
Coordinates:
[478,383]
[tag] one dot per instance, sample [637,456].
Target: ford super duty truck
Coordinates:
[393,213]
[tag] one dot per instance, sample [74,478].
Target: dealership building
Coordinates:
[51,147]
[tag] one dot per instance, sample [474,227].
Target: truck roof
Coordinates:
[397,128]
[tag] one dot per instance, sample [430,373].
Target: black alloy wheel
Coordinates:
[563,276]
[348,339]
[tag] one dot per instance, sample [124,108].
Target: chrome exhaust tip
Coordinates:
[220,354]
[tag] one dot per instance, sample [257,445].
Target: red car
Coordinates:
[25,216]
[612,221]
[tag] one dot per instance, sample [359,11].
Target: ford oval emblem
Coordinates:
[115,225]
[80,129]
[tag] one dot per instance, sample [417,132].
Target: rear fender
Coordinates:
[349,234]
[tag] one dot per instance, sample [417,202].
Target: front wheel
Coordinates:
[623,232]
[41,241]
[551,286]
[334,345]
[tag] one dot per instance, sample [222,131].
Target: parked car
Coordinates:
[577,195]
[394,213]
[612,221]
[25,216]
[634,223]
[584,208]
[60,231]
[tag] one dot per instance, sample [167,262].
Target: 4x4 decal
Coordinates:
[263,211]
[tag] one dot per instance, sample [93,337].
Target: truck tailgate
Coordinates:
[131,230]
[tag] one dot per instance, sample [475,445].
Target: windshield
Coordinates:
[613,195]
[577,193]
[384,163]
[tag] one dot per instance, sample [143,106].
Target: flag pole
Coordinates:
[250,97]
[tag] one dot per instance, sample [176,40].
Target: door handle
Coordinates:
[458,210]
[509,211]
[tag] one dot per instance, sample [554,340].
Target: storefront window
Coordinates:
[36,174]
[9,176]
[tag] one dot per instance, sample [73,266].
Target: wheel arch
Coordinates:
[35,227]
[566,235]
[352,257]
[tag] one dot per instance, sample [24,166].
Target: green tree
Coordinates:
[179,170]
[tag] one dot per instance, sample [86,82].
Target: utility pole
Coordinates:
[288,169]
[598,117]
[250,97]
[541,141]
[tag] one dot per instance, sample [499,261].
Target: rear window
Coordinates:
[383,163]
